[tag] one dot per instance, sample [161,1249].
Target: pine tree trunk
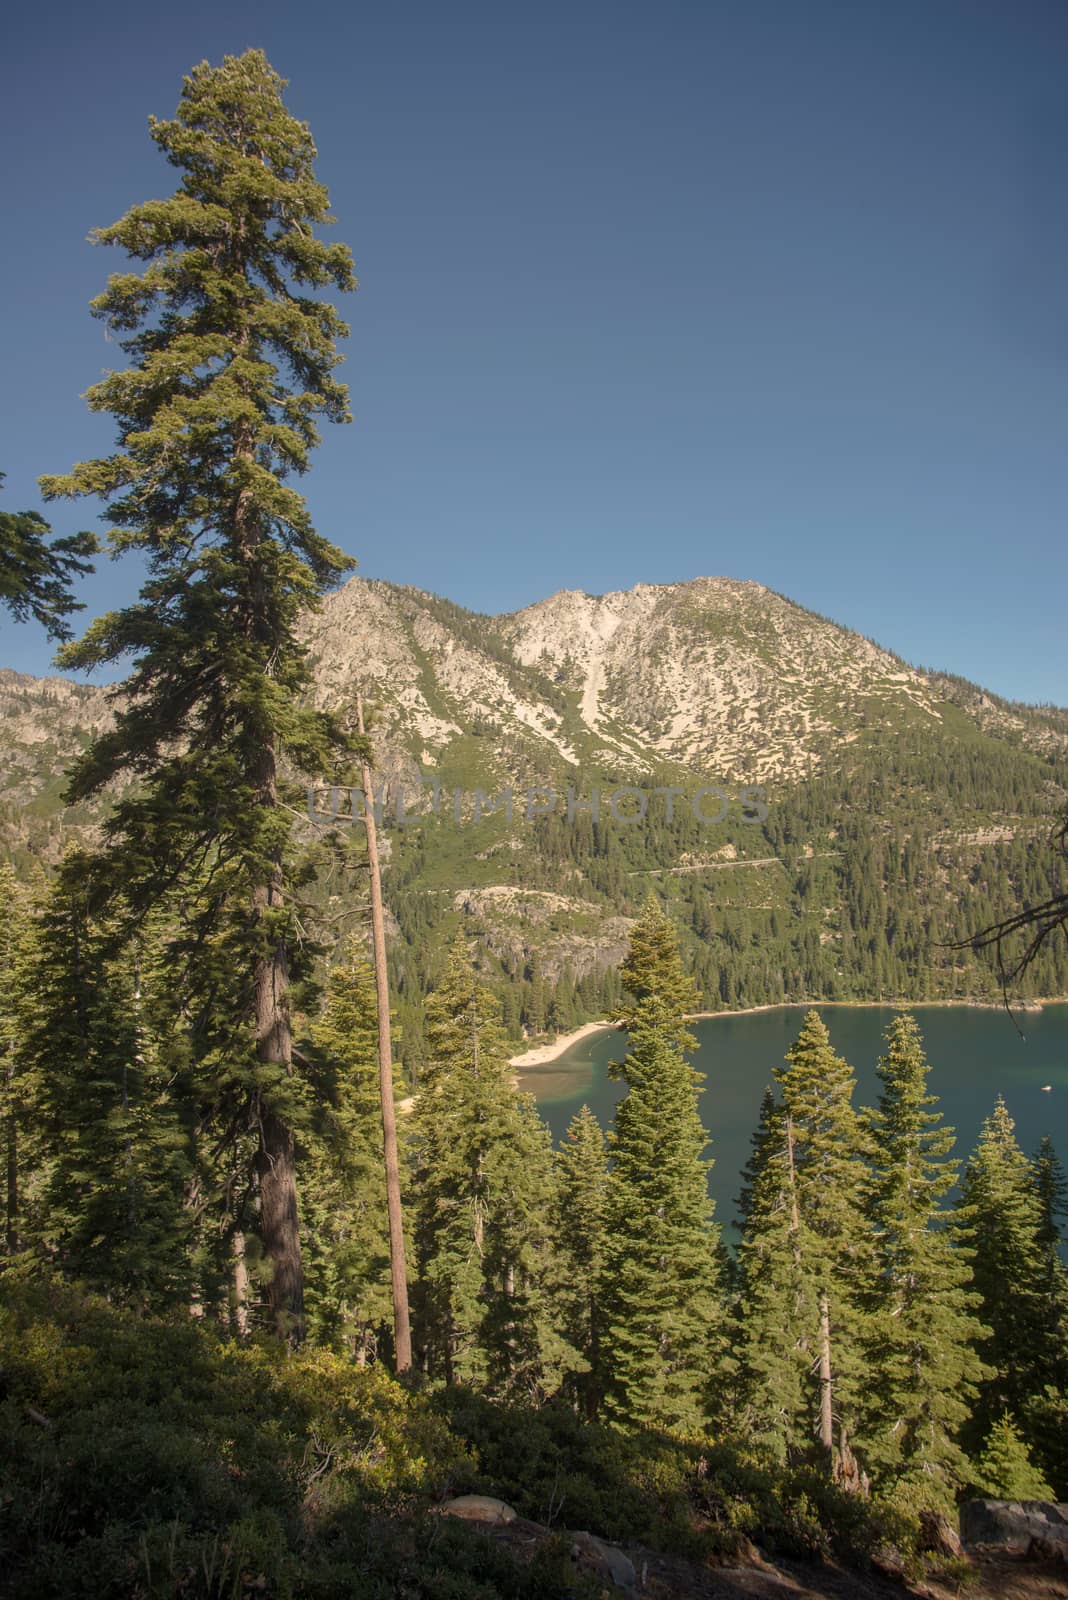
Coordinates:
[12,1168]
[509,1328]
[826,1385]
[276,1164]
[402,1336]
[795,1219]
[240,1280]
[593,1399]
[191,1203]
[276,1167]
[131,1198]
[139,1063]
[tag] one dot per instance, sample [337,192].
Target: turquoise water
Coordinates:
[975,1054]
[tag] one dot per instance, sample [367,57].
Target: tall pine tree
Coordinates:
[345,1213]
[657,990]
[1010,1273]
[486,1300]
[923,1370]
[826,1152]
[772,1333]
[14,935]
[111,1142]
[1051,1187]
[663,1312]
[580,1232]
[232,351]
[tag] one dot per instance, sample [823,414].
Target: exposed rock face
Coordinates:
[1013,1524]
[603,1560]
[714,677]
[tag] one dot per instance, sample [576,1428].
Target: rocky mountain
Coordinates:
[891,792]
[713,676]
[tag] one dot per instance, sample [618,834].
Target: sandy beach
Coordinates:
[541,1055]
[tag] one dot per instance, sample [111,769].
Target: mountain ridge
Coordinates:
[906,807]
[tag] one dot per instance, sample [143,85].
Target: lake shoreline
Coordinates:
[544,1055]
[541,1054]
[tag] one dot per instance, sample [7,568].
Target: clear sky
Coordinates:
[775,289]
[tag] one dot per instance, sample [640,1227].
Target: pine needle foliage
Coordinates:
[663,1311]
[36,571]
[773,1328]
[343,1174]
[923,1370]
[658,991]
[111,1142]
[1004,1469]
[1025,1343]
[582,1199]
[232,351]
[827,1151]
[485,1304]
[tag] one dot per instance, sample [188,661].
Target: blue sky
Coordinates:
[764,289]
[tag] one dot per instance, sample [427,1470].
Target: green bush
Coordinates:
[693,1498]
[176,1463]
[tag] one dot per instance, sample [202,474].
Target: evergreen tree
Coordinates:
[485,1307]
[580,1231]
[1051,1187]
[771,1337]
[35,574]
[1011,1274]
[1004,1469]
[345,1211]
[14,934]
[923,1371]
[110,1139]
[232,351]
[536,1008]
[659,992]
[663,1315]
[827,1151]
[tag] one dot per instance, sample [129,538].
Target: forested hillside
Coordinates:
[913,820]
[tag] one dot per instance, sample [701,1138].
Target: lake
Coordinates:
[975,1054]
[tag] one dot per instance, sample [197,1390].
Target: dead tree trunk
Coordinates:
[402,1336]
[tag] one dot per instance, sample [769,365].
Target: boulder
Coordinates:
[1013,1524]
[1045,1550]
[478,1508]
[603,1560]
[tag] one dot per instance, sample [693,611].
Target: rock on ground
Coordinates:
[478,1508]
[603,1560]
[1013,1524]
